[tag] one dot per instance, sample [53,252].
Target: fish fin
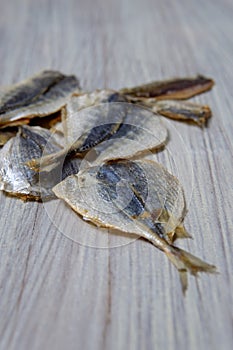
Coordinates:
[186,262]
[33,164]
[180,232]
[171,237]
[183,280]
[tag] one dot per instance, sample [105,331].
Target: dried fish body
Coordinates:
[75,124]
[23,93]
[141,132]
[173,109]
[113,122]
[16,178]
[89,99]
[180,110]
[83,132]
[141,186]
[113,130]
[161,97]
[40,95]
[177,88]
[138,197]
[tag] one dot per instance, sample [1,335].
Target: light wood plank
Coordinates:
[58,294]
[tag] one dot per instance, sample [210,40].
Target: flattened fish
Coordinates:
[74,123]
[40,95]
[177,88]
[180,110]
[139,197]
[114,130]
[150,95]
[18,179]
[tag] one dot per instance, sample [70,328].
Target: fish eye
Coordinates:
[100,175]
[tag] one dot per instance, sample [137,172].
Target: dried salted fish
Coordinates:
[15,177]
[138,197]
[74,124]
[114,130]
[161,98]
[18,179]
[40,95]
[177,88]
[181,110]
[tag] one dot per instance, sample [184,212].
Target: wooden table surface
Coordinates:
[62,293]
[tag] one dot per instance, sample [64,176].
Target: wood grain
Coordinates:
[58,294]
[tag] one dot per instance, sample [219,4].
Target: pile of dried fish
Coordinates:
[65,125]
[41,95]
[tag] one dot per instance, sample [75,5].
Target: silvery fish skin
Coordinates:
[139,197]
[173,109]
[74,126]
[16,178]
[111,130]
[110,118]
[40,95]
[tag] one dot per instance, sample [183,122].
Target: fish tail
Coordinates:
[186,262]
